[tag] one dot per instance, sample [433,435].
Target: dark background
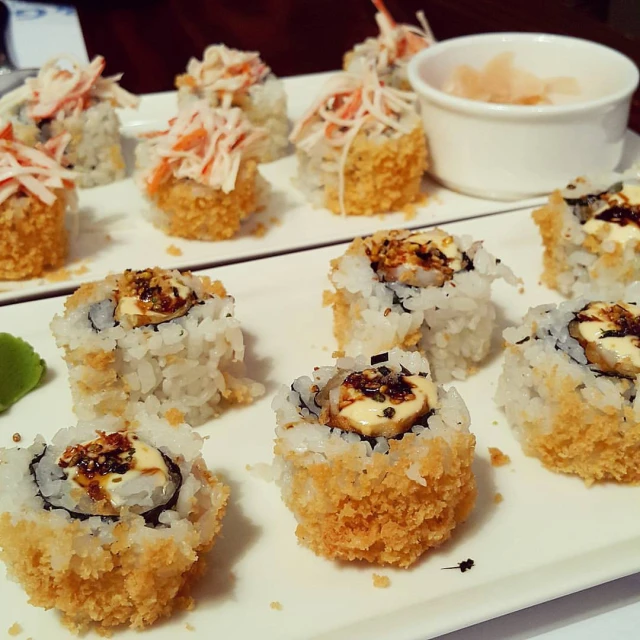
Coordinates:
[151,40]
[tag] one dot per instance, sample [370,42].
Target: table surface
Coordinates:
[151,40]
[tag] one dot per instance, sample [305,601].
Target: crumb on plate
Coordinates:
[498,459]
[189,627]
[15,629]
[276,606]
[259,230]
[381,582]
[498,498]
[172,250]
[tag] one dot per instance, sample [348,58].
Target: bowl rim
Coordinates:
[477,107]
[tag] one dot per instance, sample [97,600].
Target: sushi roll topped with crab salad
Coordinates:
[37,195]
[417,289]
[201,174]
[569,387]
[361,147]
[162,338]
[119,521]
[392,49]
[373,459]
[591,236]
[67,96]
[228,77]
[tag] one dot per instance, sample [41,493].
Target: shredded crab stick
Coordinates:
[36,172]
[347,104]
[399,41]
[225,72]
[202,144]
[64,86]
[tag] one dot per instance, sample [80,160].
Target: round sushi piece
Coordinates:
[591,236]
[361,147]
[36,196]
[423,289]
[373,459]
[392,49]
[201,175]
[226,78]
[569,388]
[109,527]
[163,338]
[68,97]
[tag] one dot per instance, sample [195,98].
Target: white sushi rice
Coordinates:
[190,364]
[456,320]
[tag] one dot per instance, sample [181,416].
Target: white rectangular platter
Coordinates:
[549,537]
[114,234]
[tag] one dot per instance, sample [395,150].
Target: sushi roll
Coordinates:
[163,338]
[37,196]
[373,459]
[201,174]
[569,388]
[109,527]
[392,49]
[591,236]
[417,289]
[361,147]
[230,78]
[67,97]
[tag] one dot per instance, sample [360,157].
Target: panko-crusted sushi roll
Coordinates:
[67,97]
[392,49]
[230,78]
[424,289]
[36,194]
[361,147]
[569,388]
[109,527]
[591,236]
[163,338]
[201,174]
[373,459]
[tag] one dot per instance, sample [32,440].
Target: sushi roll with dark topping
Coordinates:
[591,236]
[424,289]
[163,338]
[373,459]
[569,388]
[110,528]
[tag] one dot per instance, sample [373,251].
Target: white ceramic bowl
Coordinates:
[512,151]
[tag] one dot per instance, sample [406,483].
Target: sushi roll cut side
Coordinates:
[161,338]
[361,147]
[425,289]
[373,459]
[569,388]
[591,237]
[392,49]
[201,174]
[36,195]
[67,97]
[230,78]
[109,527]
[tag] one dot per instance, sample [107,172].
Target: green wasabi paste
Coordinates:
[21,369]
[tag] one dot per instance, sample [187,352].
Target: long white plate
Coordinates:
[549,537]
[114,234]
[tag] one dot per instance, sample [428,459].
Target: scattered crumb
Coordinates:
[498,498]
[15,629]
[107,237]
[174,417]
[498,459]
[521,290]
[338,354]
[16,437]
[259,230]
[495,423]
[189,627]
[324,348]
[276,605]
[381,582]
[172,250]
[80,270]
[59,275]
[275,221]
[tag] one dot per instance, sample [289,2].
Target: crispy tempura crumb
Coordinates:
[338,354]
[59,275]
[172,250]
[15,629]
[174,417]
[498,459]
[276,606]
[381,582]
[498,498]
[520,290]
[189,627]
[275,221]
[259,230]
